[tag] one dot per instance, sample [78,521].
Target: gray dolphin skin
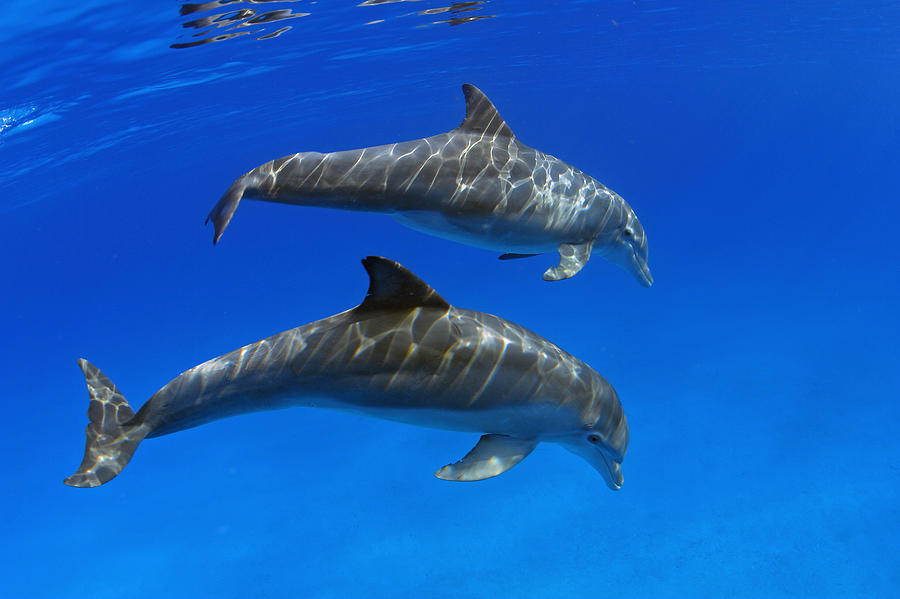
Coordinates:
[476,184]
[403,354]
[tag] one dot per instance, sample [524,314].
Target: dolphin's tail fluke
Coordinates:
[224,209]
[112,434]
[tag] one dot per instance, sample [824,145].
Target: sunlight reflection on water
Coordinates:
[221,25]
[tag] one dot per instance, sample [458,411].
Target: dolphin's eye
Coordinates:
[594,438]
[628,232]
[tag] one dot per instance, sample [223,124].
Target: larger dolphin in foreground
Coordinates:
[477,184]
[403,354]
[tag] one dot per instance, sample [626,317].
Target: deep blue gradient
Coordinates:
[759,143]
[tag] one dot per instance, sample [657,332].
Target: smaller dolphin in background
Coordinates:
[403,354]
[476,184]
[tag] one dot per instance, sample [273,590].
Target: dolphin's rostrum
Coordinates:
[477,184]
[403,354]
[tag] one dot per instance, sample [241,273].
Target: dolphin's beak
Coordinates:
[611,472]
[640,270]
[609,469]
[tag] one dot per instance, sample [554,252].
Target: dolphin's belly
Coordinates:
[526,420]
[490,233]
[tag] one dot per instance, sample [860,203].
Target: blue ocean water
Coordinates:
[757,141]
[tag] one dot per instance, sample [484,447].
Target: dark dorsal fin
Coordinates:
[392,286]
[481,115]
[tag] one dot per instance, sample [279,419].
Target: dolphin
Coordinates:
[477,184]
[403,354]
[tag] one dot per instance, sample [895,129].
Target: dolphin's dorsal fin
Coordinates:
[392,286]
[481,115]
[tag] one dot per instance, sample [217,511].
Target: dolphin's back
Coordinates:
[405,362]
[454,168]
[455,368]
[448,367]
[457,175]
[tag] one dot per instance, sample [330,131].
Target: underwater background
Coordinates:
[759,144]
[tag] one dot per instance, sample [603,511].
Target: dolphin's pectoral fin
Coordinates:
[492,455]
[572,258]
[512,256]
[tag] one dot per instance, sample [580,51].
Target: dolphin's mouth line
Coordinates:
[610,470]
[646,277]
